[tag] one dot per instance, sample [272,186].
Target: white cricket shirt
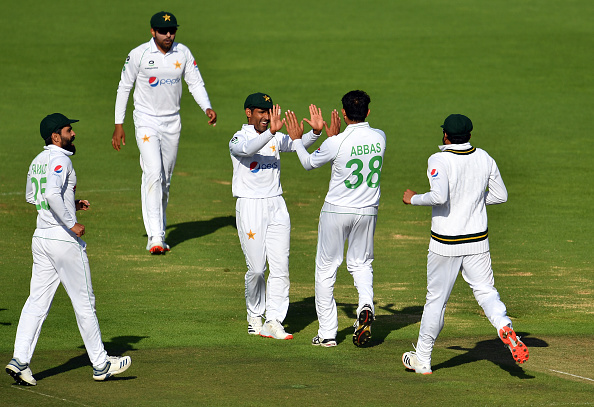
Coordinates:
[357,156]
[256,161]
[463,179]
[51,186]
[158,80]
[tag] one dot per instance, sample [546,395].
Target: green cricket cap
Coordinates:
[163,19]
[456,124]
[52,123]
[258,100]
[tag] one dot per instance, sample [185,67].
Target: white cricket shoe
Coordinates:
[114,365]
[254,325]
[326,343]
[274,329]
[410,361]
[21,373]
[156,245]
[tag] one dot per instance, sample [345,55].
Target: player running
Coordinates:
[59,255]
[464,179]
[263,222]
[349,211]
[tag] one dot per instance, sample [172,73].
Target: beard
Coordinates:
[68,146]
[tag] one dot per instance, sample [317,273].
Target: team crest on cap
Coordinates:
[58,169]
[434,173]
[266,98]
[166,17]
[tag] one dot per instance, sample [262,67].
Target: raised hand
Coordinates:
[275,119]
[294,127]
[334,125]
[316,120]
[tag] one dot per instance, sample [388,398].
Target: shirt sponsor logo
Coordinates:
[434,173]
[58,169]
[154,81]
[255,166]
[235,140]
[195,64]
[151,65]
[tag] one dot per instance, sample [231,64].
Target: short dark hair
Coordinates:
[356,105]
[458,138]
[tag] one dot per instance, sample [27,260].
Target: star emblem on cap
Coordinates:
[251,235]
[177,65]
[166,17]
[266,98]
[145,138]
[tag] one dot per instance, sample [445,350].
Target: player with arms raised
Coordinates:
[349,211]
[263,222]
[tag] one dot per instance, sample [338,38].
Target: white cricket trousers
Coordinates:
[442,272]
[157,139]
[56,261]
[336,227]
[264,230]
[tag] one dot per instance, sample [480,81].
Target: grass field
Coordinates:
[522,71]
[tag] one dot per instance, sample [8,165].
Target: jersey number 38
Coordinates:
[375,168]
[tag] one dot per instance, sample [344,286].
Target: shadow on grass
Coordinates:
[383,324]
[494,351]
[5,323]
[303,313]
[116,347]
[181,232]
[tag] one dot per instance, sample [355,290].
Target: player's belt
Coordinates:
[474,237]
[461,152]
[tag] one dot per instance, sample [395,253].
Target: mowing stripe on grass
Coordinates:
[47,395]
[569,374]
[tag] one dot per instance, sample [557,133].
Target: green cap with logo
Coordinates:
[457,124]
[258,100]
[52,123]
[163,19]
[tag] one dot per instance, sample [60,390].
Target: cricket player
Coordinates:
[464,179]
[59,255]
[157,68]
[349,211]
[263,222]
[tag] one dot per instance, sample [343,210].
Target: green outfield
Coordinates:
[521,70]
